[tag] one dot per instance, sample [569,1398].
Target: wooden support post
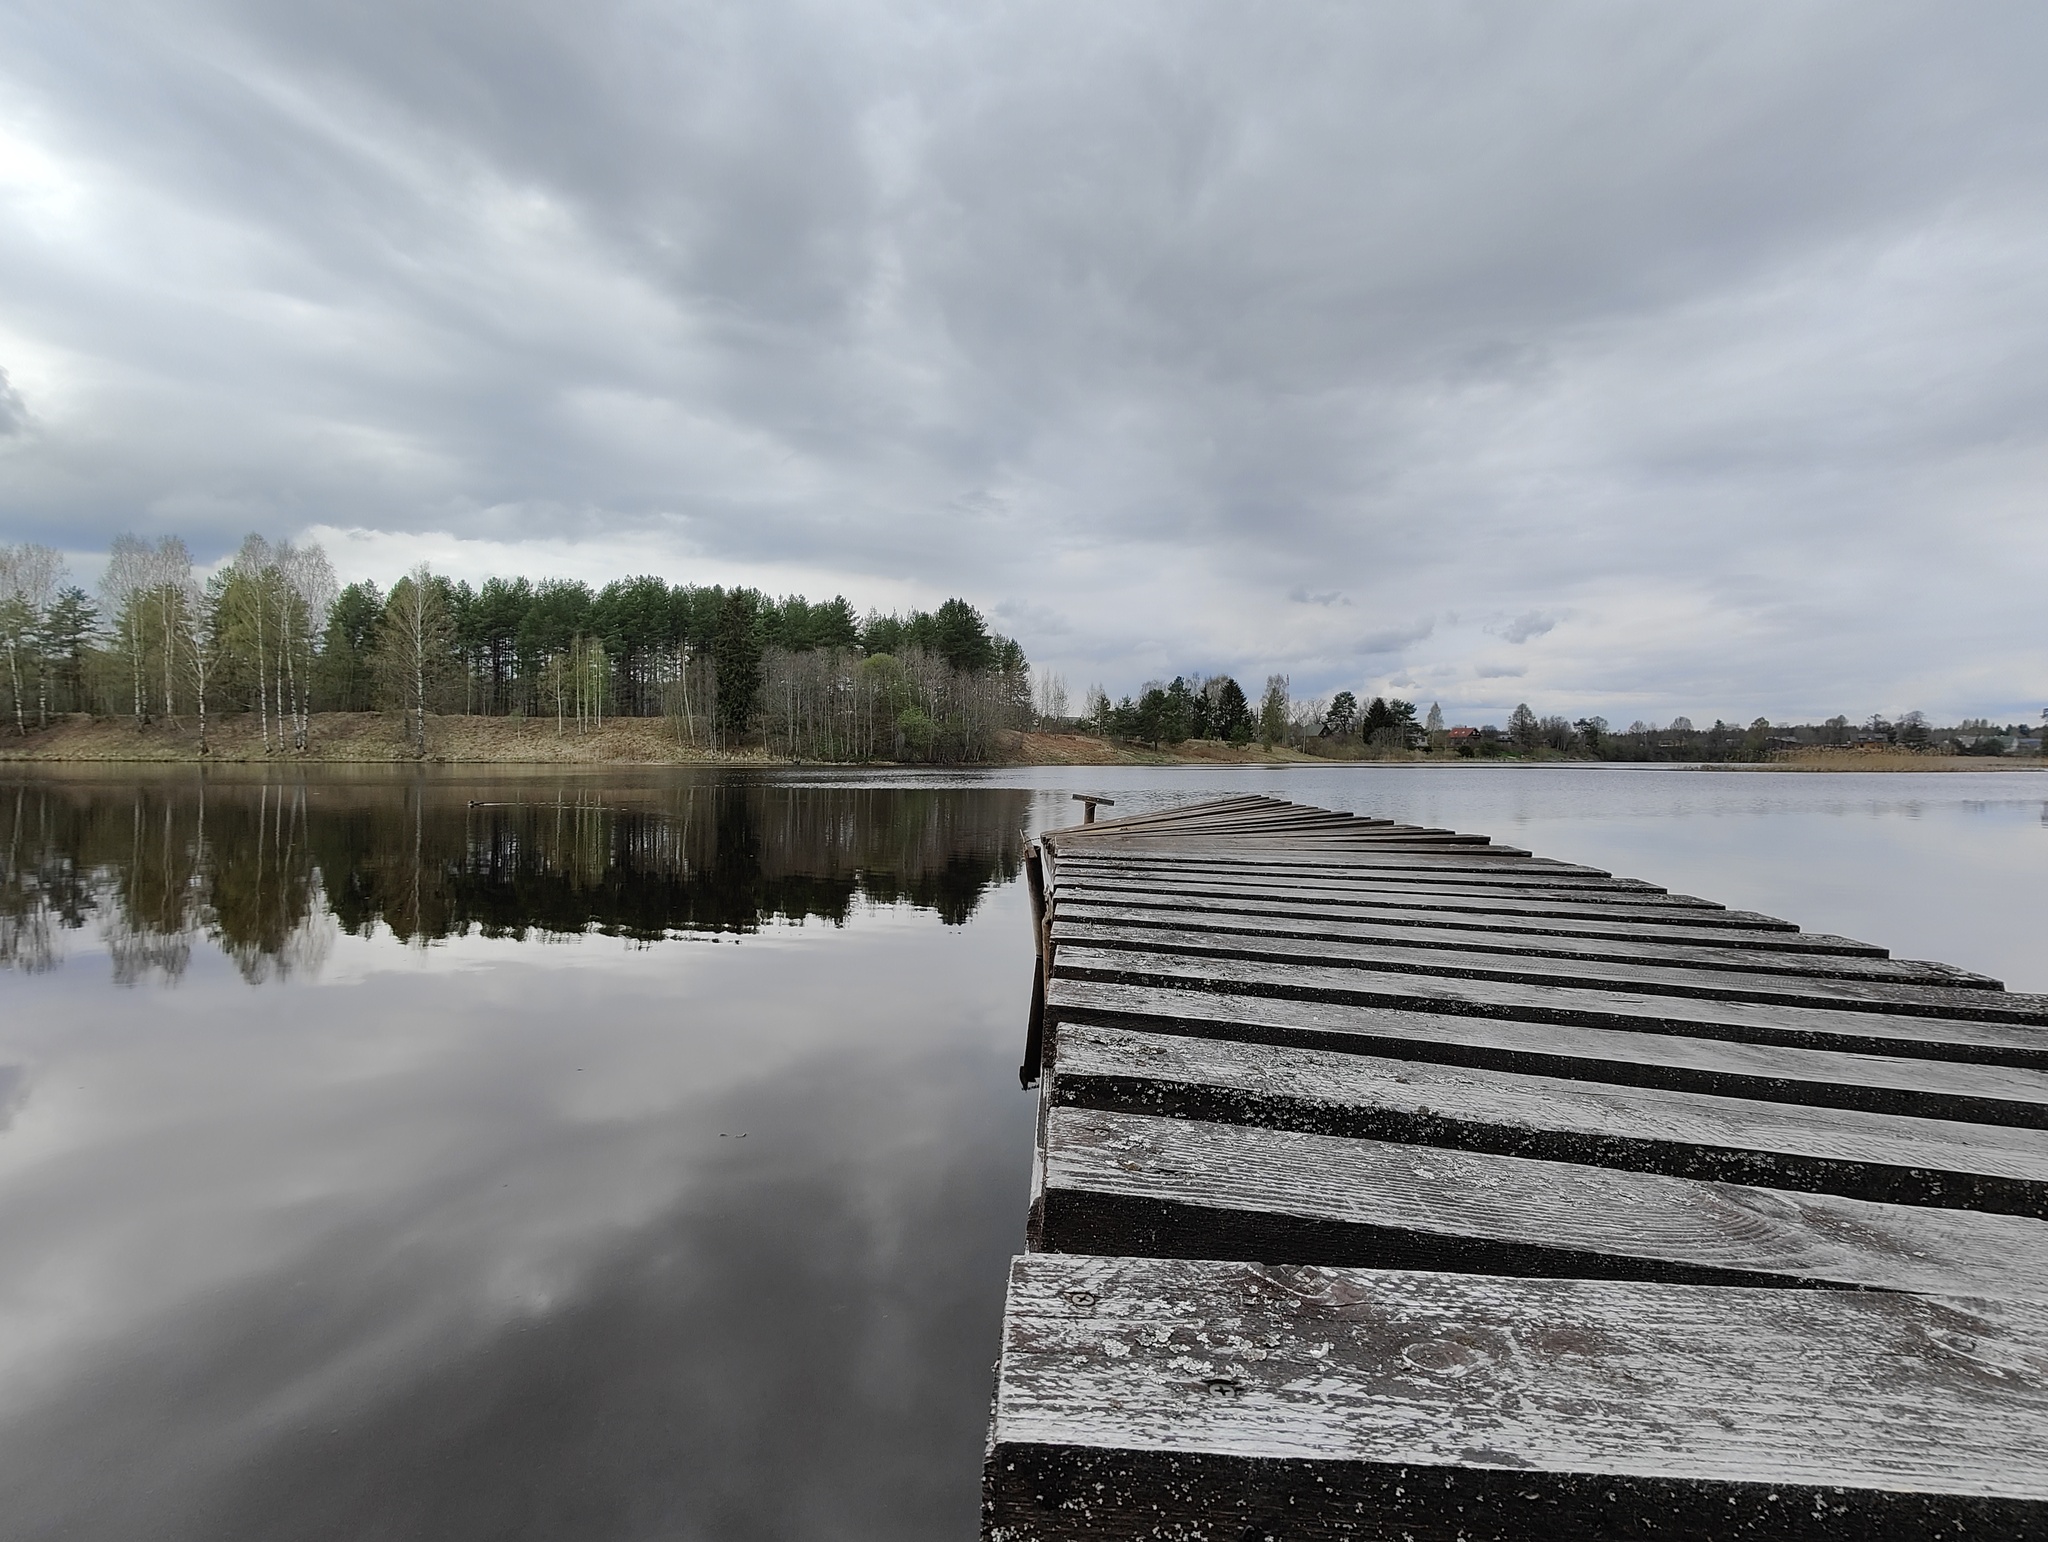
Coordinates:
[1088,801]
[1034,872]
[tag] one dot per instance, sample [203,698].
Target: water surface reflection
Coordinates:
[252,865]
[509,1206]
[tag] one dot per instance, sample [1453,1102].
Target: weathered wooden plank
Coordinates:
[1665,928]
[1149,1398]
[1884,1084]
[1892,1158]
[1334,885]
[1417,872]
[1252,828]
[1256,832]
[1258,835]
[1381,844]
[1249,821]
[1490,863]
[1141,1186]
[1648,909]
[1179,817]
[1810,1027]
[1986,1005]
[1297,847]
[1719,953]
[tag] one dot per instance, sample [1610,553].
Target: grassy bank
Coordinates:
[367,738]
[1889,760]
[373,738]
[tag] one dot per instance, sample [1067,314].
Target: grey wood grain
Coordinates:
[1987,1005]
[1298,851]
[1327,859]
[1381,1041]
[1649,909]
[1495,916]
[1136,1185]
[1893,1158]
[1416,872]
[1724,952]
[1170,1398]
[1423,885]
[1890,1084]
[1761,1023]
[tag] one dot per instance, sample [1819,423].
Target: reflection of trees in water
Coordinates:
[267,869]
[263,889]
[148,893]
[157,864]
[41,893]
[701,856]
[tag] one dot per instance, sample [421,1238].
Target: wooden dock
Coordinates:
[1391,1183]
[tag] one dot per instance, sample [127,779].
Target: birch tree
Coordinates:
[121,589]
[29,577]
[199,615]
[413,644]
[306,592]
[170,587]
[247,605]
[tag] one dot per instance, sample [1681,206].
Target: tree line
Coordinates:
[271,635]
[1198,707]
[1214,707]
[1528,734]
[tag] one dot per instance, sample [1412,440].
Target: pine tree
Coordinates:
[1231,717]
[346,674]
[67,633]
[736,654]
[1342,716]
[1524,729]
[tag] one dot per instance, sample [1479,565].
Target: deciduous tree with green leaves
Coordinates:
[1273,712]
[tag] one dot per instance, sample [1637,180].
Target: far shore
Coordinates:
[376,738]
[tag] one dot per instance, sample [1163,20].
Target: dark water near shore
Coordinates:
[616,1155]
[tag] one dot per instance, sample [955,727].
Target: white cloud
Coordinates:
[1723,335]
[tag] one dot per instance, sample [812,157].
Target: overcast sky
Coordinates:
[1618,358]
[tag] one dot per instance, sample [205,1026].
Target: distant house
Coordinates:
[1461,734]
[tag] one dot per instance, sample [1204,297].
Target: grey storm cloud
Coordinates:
[1720,329]
[1530,623]
[1394,639]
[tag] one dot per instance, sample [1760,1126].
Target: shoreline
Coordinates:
[371,739]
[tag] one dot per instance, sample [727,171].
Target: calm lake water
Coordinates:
[638,1155]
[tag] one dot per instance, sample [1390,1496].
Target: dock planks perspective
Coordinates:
[1393,1184]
